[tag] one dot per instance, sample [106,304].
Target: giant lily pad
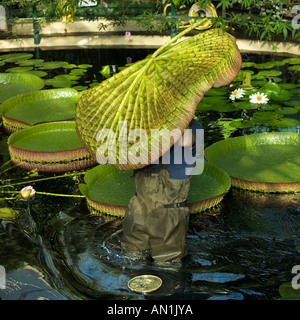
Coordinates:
[12,84]
[267,162]
[160,92]
[108,190]
[49,147]
[31,108]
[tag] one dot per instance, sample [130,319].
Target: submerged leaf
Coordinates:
[159,92]
[8,213]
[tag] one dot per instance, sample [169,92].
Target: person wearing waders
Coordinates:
[157,216]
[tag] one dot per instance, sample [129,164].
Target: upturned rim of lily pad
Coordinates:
[35,147]
[217,152]
[108,190]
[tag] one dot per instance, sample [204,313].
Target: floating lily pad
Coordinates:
[284,123]
[267,65]
[283,95]
[245,105]
[241,124]
[85,66]
[287,110]
[37,73]
[293,103]
[270,107]
[264,117]
[53,65]
[12,84]
[49,147]
[214,101]
[19,69]
[229,107]
[78,72]
[109,190]
[216,92]
[14,57]
[266,162]
[292,60]
[8,214]
[269,73]
[259,83]
[294,68]
[31,62]
[247,64]
[287,86]
[31,108]
[62,81]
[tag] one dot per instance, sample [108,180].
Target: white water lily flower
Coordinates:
[237,94]
[259,98]
[27,193]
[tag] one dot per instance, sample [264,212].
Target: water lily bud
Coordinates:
[27,193]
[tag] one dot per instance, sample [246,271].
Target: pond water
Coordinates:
[243,249]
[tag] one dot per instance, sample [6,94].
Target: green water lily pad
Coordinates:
[270,107]
[284,123]
[52,65]
[14,57]
[38,73]
[294,68]
[31,62]
[49,147]
[265,117]
[12,84]
[62,81]
[40,106]
[241,124]
[78,72]
[215,101]
[287,86]
[160,92]
[19,69]
[293,103]
[269,73]
[245,105]
[8,214]
[229,107]
[263,162]
[283,95]
[287,110]
[109,190]
[247,64]
[85,66]
[47,137]
[259,83]
[216,92]
[267,65]
[292,60]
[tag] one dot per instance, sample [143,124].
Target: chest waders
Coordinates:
[157,216]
